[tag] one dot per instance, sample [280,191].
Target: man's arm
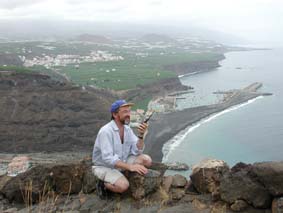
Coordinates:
[141,131]
[131,167]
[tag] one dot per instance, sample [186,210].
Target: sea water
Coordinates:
[249,132]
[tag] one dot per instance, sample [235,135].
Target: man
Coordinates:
[118,149]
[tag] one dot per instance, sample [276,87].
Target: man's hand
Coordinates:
[142,128]
[138,168]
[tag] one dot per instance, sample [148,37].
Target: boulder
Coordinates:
[240,186]
[179,181]
[167,182]
[270,174]
[177,193]
[190,189]
[239,205]
[218,207]
[32,181]
[215,195]
[41,179]
[89,181]
[199,205]
[277,205]
[207,173]
[142,185]
[67,178]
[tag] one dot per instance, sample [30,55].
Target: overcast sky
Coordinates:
[247,18]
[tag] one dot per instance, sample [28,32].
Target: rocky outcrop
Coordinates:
[39,114]
[240,190]
[242,187]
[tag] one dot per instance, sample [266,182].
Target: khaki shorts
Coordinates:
[109,175]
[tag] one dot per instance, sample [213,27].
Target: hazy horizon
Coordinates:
[249,22]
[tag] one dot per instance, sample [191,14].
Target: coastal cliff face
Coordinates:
[198,66]
[40,114]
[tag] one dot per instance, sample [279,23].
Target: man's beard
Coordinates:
[126,121]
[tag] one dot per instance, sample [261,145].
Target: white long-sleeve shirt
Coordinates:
[108,148]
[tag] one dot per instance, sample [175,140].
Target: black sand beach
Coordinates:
[164,126]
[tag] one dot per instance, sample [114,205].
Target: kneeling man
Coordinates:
[118,149]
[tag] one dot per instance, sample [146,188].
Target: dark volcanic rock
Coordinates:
[239,205]
[240,190]
[270,174]
[33,180]
[277,205]
[241,186]
[241,166]
[179,181]
[42,179]
[89,181]
[167,183]
[140,186]
[40,114]
[67,178]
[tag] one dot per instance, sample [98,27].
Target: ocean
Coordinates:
[250,132]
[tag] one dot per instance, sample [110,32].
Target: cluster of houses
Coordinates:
[64,59]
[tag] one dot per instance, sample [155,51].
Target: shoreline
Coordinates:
[164,126]
[170,145]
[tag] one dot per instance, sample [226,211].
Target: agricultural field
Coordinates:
[120,65]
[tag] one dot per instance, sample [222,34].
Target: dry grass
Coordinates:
[47,198]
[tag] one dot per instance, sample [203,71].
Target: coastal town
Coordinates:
[63,59]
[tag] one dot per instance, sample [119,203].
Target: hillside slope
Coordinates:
[40,114]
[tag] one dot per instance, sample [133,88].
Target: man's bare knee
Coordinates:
[147,161]
[144,160]
[122,184]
